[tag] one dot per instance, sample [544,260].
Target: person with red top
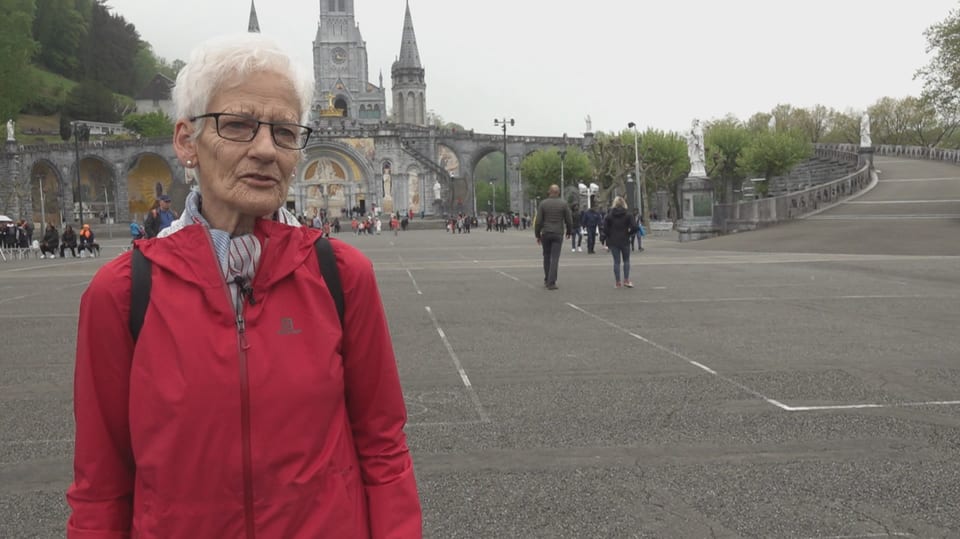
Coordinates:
[245,407]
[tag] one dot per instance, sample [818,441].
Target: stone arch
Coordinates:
[97,179]
[335,177]
[341,104]
[149,175]
[48,202]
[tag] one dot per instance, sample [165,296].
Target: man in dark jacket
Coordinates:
[552,217]
[591,220]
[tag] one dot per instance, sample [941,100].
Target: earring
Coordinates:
[189,163]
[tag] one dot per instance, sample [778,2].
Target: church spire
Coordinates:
[409,54]
[254,24]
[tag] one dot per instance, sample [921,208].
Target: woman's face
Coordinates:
[241,181]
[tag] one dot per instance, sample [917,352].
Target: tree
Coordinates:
[91,100]
[726,141]
[110,50]
[664,163]
[541,169]
[941,77]
[774,154]
[17,48]
[151,124]
[612,157]
[60,29]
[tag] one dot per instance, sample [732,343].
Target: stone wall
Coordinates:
[750,215]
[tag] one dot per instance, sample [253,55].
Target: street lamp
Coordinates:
[77,128]
[493,183]
[642,181]
[563,155]
[588,191]
[502,122]
[43,209]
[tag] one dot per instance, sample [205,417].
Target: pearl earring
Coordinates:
[189,162]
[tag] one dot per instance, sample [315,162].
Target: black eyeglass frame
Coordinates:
[304,137]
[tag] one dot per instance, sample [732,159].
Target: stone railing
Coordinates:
[754,214]
[910,152]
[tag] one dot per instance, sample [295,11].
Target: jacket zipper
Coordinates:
[245,417]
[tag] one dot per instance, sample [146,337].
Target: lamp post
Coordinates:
[502,122]
[493,184]
[563,156]
[43,209]
[642,181]
[77,128]
[473,184]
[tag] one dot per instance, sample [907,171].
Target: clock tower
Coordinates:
[340,68]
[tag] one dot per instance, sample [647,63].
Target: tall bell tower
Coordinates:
[408,78]
[340,68]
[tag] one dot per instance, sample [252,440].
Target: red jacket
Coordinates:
[206,431]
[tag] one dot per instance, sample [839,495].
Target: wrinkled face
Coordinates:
[244,180]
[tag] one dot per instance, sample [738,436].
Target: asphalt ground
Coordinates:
[795,382]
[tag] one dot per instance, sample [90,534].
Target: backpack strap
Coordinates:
[328,268]
[140,283]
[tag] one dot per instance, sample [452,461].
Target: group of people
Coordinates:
[83,242]
[618,230]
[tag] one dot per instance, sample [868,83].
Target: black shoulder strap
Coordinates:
[140,283]
[328,268]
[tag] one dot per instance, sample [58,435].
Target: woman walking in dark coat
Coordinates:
[618,226]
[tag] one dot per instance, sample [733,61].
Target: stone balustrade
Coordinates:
[750,215]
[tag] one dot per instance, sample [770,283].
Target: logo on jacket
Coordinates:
[286,327]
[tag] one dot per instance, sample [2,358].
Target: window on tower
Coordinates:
[340,5]
[333,5]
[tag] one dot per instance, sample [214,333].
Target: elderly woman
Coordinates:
[243,408]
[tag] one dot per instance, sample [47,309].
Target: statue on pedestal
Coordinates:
[10,131]
[436,190]
[589,123]
[865,141]
[695,151]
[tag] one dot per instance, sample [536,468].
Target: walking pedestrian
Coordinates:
[618,226]
[552,218]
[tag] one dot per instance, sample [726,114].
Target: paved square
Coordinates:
[795,382]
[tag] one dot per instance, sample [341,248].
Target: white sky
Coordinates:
[550,63]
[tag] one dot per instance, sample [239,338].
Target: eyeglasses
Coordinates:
[242,128]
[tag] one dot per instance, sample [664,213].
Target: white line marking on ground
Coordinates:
[678,355]
[912,180]
[48,266]
[517,279]
[871,202]
[456,363]
[415,285]
[753,392]
[866,536]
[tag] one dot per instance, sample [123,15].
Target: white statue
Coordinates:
[865,141]
[589,124]
[387,183]
[10,130]
[436,190]
[695,151]
[772,124]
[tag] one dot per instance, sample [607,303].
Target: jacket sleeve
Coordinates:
[375,405]
[101,496]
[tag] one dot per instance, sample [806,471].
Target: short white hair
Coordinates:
[217,60]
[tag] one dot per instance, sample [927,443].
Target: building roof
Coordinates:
[158,89]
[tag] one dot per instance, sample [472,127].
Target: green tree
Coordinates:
[110,50]
[541,169]
[60,29]
[151,124]
[941,77]
[664,164]
[725,142]
[612,157]
[774,154]
[17,48]
[91,100]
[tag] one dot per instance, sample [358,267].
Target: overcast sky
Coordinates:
[550,63]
